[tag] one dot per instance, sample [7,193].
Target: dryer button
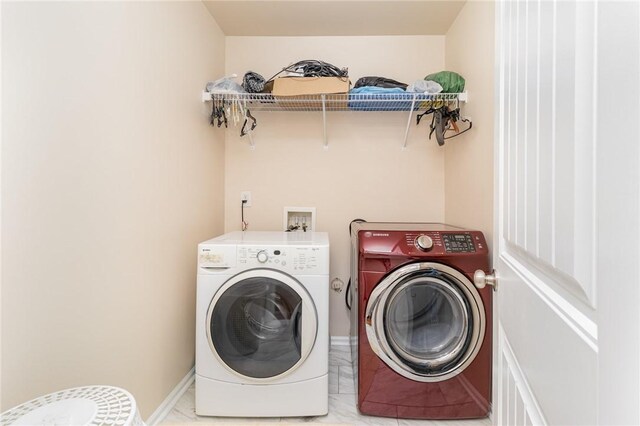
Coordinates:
[424,242]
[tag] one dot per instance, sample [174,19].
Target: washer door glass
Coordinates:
[427,322]
[255,327]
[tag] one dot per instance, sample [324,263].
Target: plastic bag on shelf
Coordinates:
[224,85]
[424,86]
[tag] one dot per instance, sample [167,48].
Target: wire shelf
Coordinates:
[408,102]
[338,102]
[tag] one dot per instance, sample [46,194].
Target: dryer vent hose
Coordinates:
[347,294]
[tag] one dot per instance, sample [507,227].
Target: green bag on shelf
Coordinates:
[450,81]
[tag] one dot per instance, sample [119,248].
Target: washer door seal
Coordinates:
[426,321]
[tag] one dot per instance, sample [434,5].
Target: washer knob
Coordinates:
[262,256]
[424,242]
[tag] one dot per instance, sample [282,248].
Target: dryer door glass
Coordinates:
[427,322]
[255,327]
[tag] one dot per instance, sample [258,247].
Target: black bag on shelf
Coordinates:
[253,82]
[383,82]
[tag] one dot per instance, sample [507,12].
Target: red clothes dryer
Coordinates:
[421,331]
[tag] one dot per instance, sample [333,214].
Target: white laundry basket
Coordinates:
[87,405]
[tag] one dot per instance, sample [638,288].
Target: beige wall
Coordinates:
[110,176]
[363,174]
[469,157]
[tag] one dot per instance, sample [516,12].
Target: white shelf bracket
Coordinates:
[324,121]
[406,132]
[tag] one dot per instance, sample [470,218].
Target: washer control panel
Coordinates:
[458,243]
[295,260]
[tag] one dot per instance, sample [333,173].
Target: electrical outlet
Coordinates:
[246,196]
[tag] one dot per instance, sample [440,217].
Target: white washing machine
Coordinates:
[262,325]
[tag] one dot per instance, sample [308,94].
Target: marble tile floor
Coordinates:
[342,404]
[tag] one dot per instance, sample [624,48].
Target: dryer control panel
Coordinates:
[458,243]
[380,250]
[423,243]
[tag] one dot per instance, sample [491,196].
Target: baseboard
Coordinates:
[170,401]
[340,340]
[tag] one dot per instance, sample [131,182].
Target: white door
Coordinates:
[567,213]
